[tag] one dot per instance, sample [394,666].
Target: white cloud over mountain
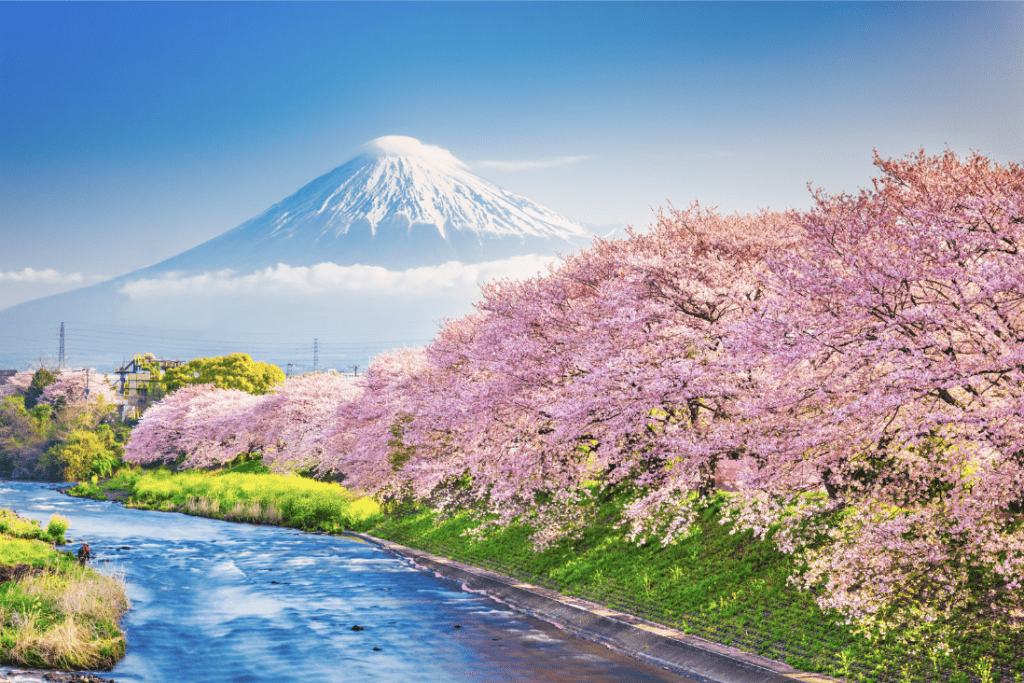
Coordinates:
[49,276]
[328,278]
[529,165]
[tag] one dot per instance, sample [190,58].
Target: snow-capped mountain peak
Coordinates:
[364,252]
[404,146]
[396,203]
[397,177]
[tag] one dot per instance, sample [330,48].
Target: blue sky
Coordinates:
[131,132]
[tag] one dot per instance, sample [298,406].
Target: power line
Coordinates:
[97,347]
[103,335]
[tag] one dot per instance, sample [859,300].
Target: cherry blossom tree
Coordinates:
[600,371]
[363,440]
[200,425]
[71,387]
[290,422]
[891,367]
[18,383]
[204,426]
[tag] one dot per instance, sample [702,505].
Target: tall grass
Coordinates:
[246,496]
[54,613]
[65,620]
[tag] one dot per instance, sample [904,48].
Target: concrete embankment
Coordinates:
[644,640]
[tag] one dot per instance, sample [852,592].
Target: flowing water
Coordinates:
[219,602]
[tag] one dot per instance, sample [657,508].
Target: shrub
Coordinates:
[57,526]
[83,454]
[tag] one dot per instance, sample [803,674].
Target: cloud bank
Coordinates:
[330,278]
[47,277]
[529,165]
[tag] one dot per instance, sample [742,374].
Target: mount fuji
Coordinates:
[397,203]
[377,251]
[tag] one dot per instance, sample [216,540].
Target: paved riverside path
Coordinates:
[665,647]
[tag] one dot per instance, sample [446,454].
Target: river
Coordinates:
[219,602]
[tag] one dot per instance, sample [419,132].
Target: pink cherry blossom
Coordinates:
[890,369]
[71,387]
[291,421]
[202,425]
[17,384]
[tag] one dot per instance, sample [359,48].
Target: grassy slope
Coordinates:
[729,588]
[58,614]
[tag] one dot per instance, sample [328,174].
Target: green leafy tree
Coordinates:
[237,371]
[42,379]
[24,434]
[84,454]
[46,440]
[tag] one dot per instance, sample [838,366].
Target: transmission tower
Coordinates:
[60,357]
[316,354]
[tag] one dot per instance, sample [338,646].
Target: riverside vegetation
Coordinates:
[720,583]
[55,613]
[243,493]
[59,425]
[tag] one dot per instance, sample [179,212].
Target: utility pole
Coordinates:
[316,354]
[87,384]
[60,357]
[355,370]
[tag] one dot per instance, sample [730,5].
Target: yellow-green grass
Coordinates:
[54,613]
[242,494]
[19,527]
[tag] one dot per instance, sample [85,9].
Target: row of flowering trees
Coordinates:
[859,367]
[204,426]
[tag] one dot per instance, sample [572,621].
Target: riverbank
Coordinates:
[724,587]
[54,613]
[641,639]
[14,674]
[245,493]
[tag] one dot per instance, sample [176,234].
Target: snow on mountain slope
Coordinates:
[398,176]
[397,203]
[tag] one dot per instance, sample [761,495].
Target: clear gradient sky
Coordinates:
[131,132]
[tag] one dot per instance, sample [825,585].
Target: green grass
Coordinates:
[54,613]
[19,527]
[24,551]
[729,588]
[726,587]
[245,493]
